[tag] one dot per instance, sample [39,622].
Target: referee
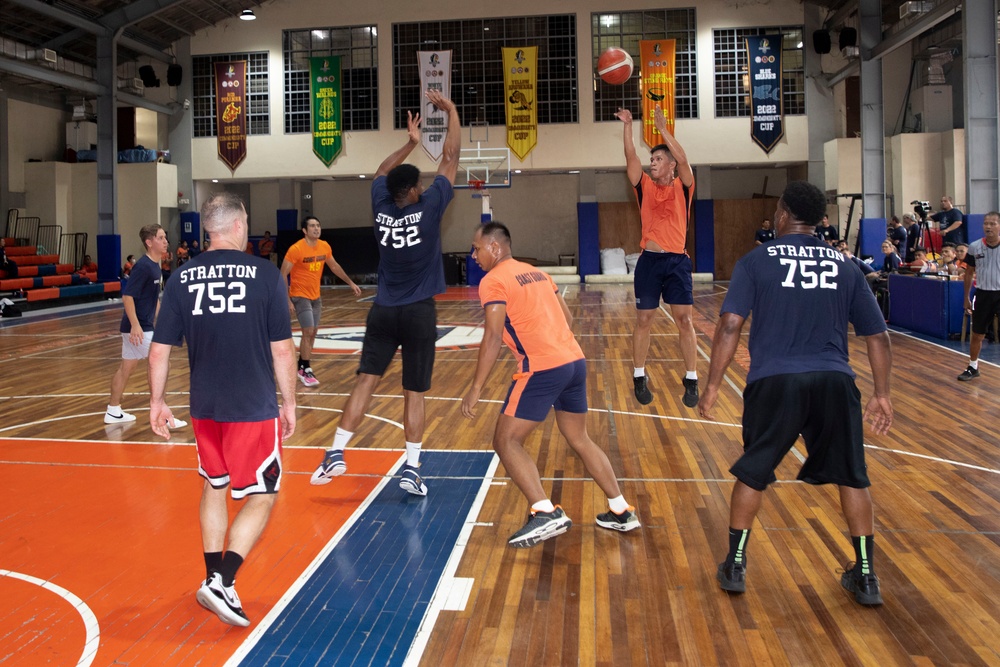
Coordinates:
[802,294]
[983,264]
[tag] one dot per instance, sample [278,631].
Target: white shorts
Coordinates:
[141,351]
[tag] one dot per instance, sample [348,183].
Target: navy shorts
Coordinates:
[532,394]
[413,328]
[823,406]
[662,274]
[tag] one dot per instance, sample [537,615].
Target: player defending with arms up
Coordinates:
[802,294]
[410,273]
[524,307]
[664,268]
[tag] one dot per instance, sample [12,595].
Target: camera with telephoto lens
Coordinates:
[921,208]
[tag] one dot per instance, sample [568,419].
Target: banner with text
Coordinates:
[327,107]
[767,109]
[656,81]
[230,111]
[520,78]
[435,74]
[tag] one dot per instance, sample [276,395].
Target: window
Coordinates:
[203,84]
[626,30]
[477,65]
[358,50]
[732,95]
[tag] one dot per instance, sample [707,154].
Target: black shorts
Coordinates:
[986,307]
[665,275]
[825,408]
[412,327]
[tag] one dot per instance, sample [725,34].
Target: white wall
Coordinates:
[34,132]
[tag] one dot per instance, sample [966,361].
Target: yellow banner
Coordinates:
[656,82]
[520,84]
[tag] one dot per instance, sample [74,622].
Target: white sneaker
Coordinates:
[119,418]
[222,601]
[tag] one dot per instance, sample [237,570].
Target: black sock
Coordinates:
[213,561]
[230,564]
[738,545]
[864,552]
[301,365]
[305,364]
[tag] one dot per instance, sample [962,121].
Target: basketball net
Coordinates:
[479,192]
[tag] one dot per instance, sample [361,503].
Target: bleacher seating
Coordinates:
[43,278]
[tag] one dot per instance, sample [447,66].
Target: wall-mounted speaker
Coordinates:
[148,77]
[848,37]
[821,42]
[174,75]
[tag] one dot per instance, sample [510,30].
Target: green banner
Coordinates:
[327,108]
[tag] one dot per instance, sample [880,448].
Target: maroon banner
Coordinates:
[230,111]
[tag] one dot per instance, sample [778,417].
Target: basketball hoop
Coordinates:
[477,188]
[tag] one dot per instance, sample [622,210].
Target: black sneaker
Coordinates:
[968,374]
[732,577]
[642,393]
[541,526]
[864,586]
[690,398]
[623,522]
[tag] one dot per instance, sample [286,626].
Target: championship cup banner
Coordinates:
[520,77]
[435,74]
[767,109]
[327,107]
[656,81]
[230,111]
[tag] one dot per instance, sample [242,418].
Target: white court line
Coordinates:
[265,624]
[93,630]
[447,580]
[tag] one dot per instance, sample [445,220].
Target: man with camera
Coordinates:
[949,221]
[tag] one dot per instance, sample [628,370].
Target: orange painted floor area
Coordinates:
[116,524]
[459,294]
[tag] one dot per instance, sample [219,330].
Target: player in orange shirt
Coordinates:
[524,308]
[304,262]
[664,267]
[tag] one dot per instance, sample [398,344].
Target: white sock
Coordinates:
[691,375]
[972,363]
[115,409]
[618,504]
[340,439]
[413,453]
[639,372]
[543,506]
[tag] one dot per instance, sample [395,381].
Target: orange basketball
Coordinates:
[614,66]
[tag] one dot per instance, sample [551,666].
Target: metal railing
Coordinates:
[49,239]
[72,248]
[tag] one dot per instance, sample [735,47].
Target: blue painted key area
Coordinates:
[365,602]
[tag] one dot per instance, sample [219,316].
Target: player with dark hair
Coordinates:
[304,262]
[231,309]
[141,299]
[802,294]
[525,310]
[410,272]
[664,267]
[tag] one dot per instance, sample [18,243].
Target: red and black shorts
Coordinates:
[243,455]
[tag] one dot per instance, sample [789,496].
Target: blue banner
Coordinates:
[767,109]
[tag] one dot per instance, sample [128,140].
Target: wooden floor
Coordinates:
[589,597]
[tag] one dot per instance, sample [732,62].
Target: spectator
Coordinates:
[127,268]
[266,246]
[912,236]
[183,253]
[194,250]
[949,221]
[897,235]
[870,274]
[88,265]
[250,249]
[948,261]
[891,260]
[961,250]
[921,264]
[764,234]
[827,232]
[5,263]
[166,262]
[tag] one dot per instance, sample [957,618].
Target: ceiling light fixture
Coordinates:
[247,15]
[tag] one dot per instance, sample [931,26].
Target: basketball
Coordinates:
[614,66]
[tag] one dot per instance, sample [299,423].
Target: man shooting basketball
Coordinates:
[664,268]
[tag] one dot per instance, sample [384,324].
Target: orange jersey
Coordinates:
[307,268]
[535,330]
[664,210]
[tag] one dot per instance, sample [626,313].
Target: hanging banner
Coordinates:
[230,111]
[520,77]
[767,109]
[435,74]
[327,107]
[656,81]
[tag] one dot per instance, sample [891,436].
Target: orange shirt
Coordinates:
[307,267]
[664,210]
[535,330]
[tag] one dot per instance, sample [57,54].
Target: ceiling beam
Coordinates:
[46,75]
[920,26]
[53,12]
[134,12]
[842,14]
